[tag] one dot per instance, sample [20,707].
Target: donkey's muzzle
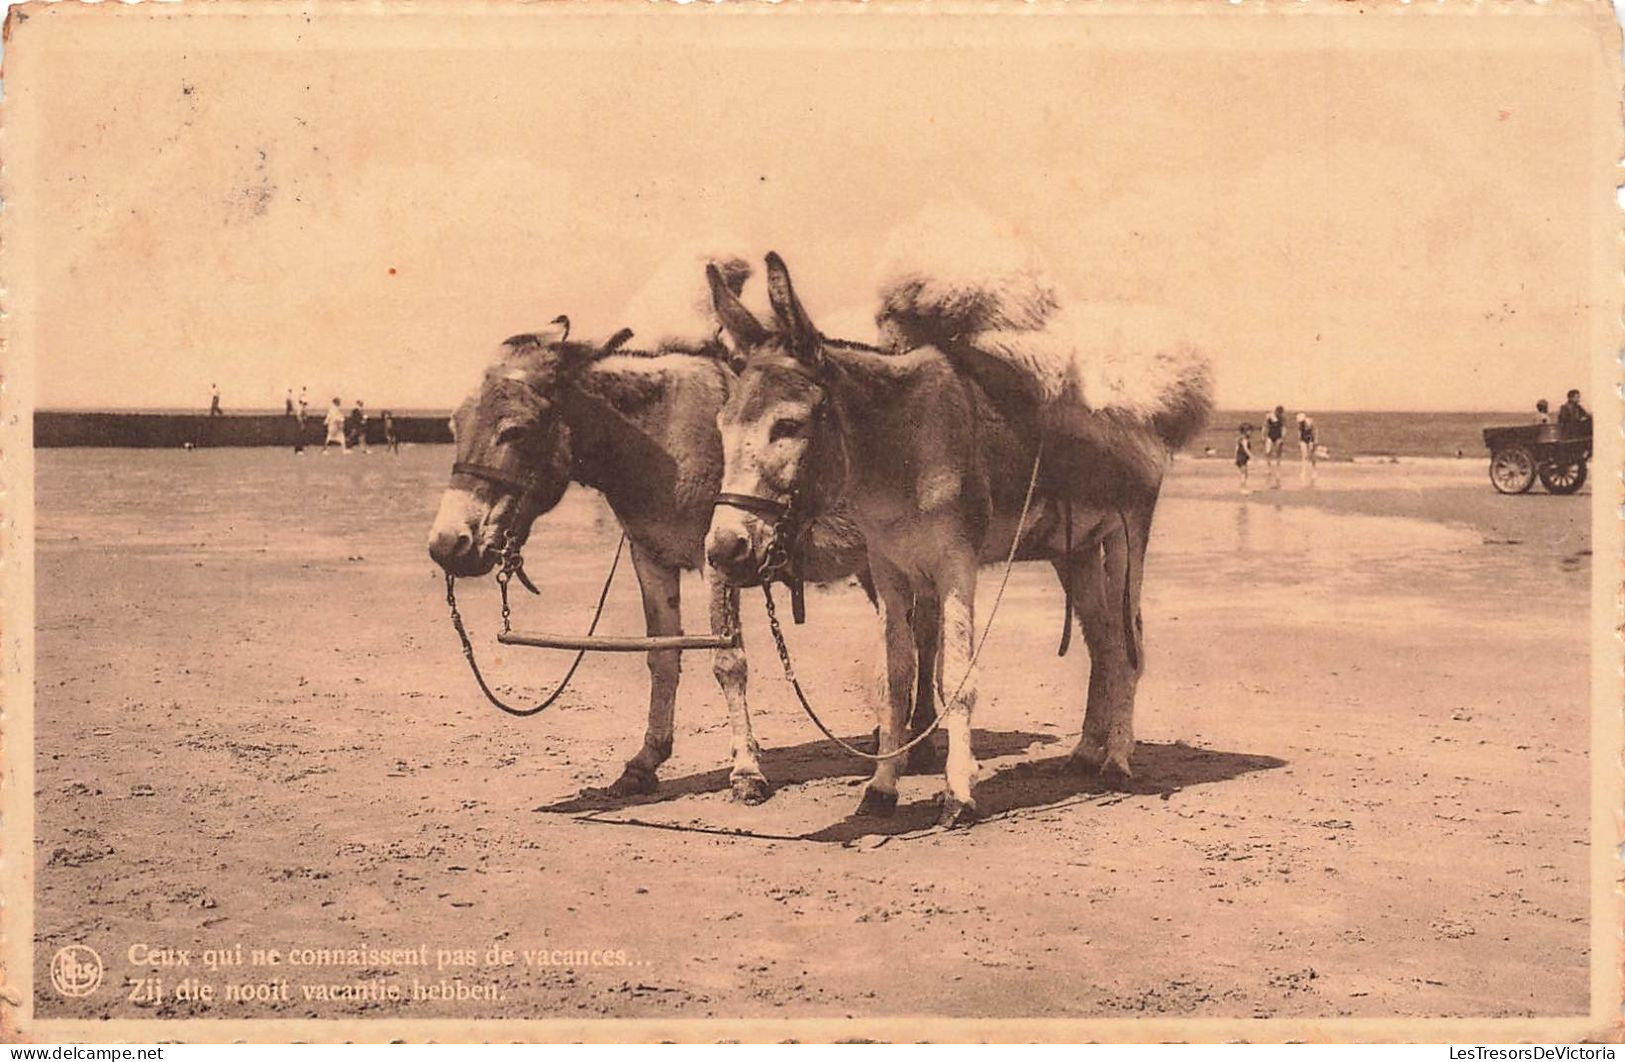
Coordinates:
[458,554]
[728,550]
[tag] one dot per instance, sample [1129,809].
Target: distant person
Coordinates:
[1543,412]
[287,409]
[391,441]
[358,425]
[214,401]
[335,428]
[1572,412]
[299,423]
[1244,453]
[1307,457]
[1274,435]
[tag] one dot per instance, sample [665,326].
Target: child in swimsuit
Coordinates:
[1306,446]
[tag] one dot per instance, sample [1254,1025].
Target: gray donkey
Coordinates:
[640,428]
[931,451]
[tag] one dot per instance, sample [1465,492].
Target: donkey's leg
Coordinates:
[957,585]
[745,775]
[880,792]
[927,623]
[1086,577]
[1126,586]
[662,614]
[1107,604]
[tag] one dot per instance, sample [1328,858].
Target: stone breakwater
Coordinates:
[177,430]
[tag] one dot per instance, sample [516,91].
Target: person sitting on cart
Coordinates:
[1572,412]
[1543,412]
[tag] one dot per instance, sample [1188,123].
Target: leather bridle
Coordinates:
[778,562]
[770,509]
[518,482]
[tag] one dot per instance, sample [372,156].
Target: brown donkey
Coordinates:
[641,429]
[932,451]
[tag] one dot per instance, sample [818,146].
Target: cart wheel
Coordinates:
[1512,471]
[1564,479]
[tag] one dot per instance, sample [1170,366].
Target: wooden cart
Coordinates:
[1556,453]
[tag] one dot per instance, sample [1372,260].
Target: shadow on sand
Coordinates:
[1044,784]
[1049,784]
[811,761]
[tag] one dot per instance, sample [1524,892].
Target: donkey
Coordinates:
[932,449]
[640,428]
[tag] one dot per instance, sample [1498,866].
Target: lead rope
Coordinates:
[790,671]
[511,566]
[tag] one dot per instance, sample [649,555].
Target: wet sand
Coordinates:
[1361,781]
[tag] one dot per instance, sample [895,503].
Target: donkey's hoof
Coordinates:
[924,759]
[956,813]
[1115,773]
[1086,760]
[634,781]
[751,789]
[877,802]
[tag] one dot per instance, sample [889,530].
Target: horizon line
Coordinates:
[278,411]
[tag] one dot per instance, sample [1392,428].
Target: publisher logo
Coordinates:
[76,971]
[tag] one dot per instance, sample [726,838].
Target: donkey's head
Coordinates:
[513,449]
[783,460]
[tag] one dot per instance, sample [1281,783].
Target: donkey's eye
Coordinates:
[785,428]
[511,433]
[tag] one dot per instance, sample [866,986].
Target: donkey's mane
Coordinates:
[531,342]
[622,377]
[853,344]
[709,349]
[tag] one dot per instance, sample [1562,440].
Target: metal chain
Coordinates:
[776,559]
[511,565]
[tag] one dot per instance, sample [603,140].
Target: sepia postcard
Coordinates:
[895,521]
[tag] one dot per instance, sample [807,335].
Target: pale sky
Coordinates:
[1340,227]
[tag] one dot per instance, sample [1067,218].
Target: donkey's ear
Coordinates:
[558,330]
[615,342]
[739,323]
[805,342]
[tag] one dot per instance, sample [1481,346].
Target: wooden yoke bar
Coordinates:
[604,644]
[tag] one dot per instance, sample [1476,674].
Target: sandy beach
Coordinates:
[255,727]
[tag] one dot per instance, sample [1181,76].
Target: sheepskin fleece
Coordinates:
[672,310]
[942,289]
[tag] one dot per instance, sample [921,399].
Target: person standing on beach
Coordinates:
[358,425]
[214,401]
[304,407]
[287,406]
[1274,440]
[298,420]
[1274,432]
[391,441]
[1306,447]
[335,428]
[1244,453]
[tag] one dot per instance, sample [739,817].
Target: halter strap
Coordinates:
[502,477]
[766,508]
